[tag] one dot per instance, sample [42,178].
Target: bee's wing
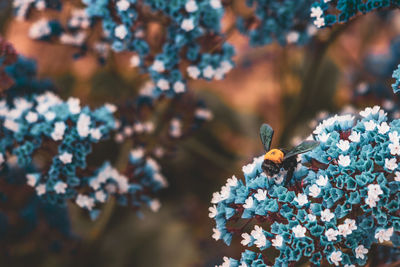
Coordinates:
[266,134]
[305,146]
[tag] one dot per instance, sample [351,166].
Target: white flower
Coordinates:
[394,148]
[257,232]
[179,87]
[31,179]
[394,137]
[299,231]
[225,192]
[100,196]
[322,181]
[323,137]
[83,125]
[134,61]
[347,227]
[331,234]
[11,125]
[123,5]
[215,4]
[374,190]
[158,66]
[314,190]
[301,199]
[187,25]
[95,133]
[216,198]
[248,204]
[327,215]
[121,31]
[193,72]
[344,145]
[85,201]
[232,181]
[155,205]
[336,257]
[31,117]
[383,128]
[65,157]
[278,241]
[371,202]
[391,164]
[59,129]
[261,241]
[60,187]
[39,29]
[40,189]
[249,168]
[361,251]
[217,234]
[163,84]
[74,105]
[397,177]
[191,6]
[246,239]
[344,160]
[311,217]
[261,195]
[319,22]
[370,125]
[213,211]
[316,12]
[384,235]
[355,137]
[292,37]
[208,72]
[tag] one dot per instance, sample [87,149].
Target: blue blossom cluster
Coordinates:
[141,180]
[343,198]
[191,42]
[30,126]
[329,12]
[287,22]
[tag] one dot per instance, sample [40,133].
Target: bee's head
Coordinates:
[274,155]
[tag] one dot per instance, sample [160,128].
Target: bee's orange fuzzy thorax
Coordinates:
[274,155]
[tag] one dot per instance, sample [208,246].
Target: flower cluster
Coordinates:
[287,22]
[342,199]
[8,56]
[191,44]
[329,12]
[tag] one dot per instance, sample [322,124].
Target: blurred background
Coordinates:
[288,87]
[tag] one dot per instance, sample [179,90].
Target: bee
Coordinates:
[278,160]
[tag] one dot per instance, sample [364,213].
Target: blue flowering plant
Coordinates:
[52,140]
[170,41]
[343,197]
[329,12]
[287,22]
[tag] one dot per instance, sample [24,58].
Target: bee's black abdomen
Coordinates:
[270,168]
[289,165]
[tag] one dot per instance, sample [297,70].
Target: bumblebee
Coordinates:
[278,160]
